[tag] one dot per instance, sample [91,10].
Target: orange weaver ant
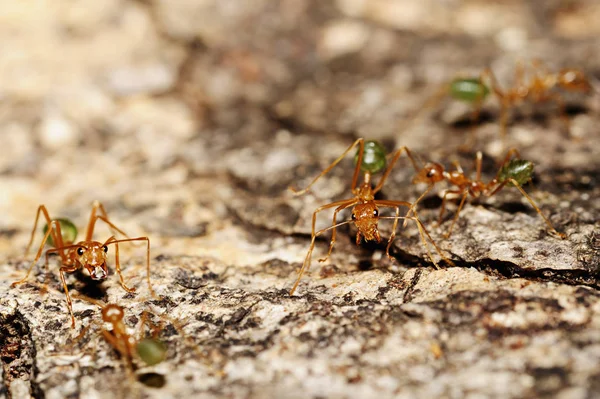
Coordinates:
[151,351]
[370,158]
[88,254]
[515,172]
[539,88]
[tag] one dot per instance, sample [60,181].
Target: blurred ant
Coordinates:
[515,172]
[539,88]
[150,351]
[88,254]
[370,158]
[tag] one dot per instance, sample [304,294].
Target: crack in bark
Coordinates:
[18,353]
[559,276]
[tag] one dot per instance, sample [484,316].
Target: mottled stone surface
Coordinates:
[189,120]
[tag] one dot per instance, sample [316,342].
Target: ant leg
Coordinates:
[520,71]
[503,121]
[472,139]
[396,205]
[119,272]
[334,231]
[396,155]
[457,166]
[99,208]
[424,233]
[513,152]
[306,264]
[393,235]
[361,143]
[89,230]
[62,271]
[54,225]
[503,99]
[143,321]
[550,226]
[56,234]
[537,64]
[434,100]
[478,159]
[113,240]
[413,207]
[41,209]
[443,207]
[423,194]
[460,206]
[518,186]
[121,346]
[314,235]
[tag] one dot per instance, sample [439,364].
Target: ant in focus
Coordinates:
[513,172]
[539,88]
[370,158]
[88,254]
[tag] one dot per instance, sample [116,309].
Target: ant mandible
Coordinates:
[370,158]
[515,172]
[88,254]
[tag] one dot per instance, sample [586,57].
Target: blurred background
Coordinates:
[124,101]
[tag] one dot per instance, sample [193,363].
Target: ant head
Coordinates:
[92,256]
[519,170]
[430,174]
[112,313]
[574,79]
[365,216]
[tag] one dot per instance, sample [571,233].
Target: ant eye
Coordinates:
[353,216]
[375,213]
[105,248]
[431,173]
[80,251]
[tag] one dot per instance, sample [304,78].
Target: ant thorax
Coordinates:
[365,192]
[457,178]
[476,188]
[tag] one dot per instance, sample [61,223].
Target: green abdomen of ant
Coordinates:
[519,170]
[373,159]
[151,351]
[468,89]
[68,231]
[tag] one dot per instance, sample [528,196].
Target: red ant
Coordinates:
[370,158]
[515,172]
[88,254]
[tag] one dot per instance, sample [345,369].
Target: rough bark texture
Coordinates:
[188,120]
